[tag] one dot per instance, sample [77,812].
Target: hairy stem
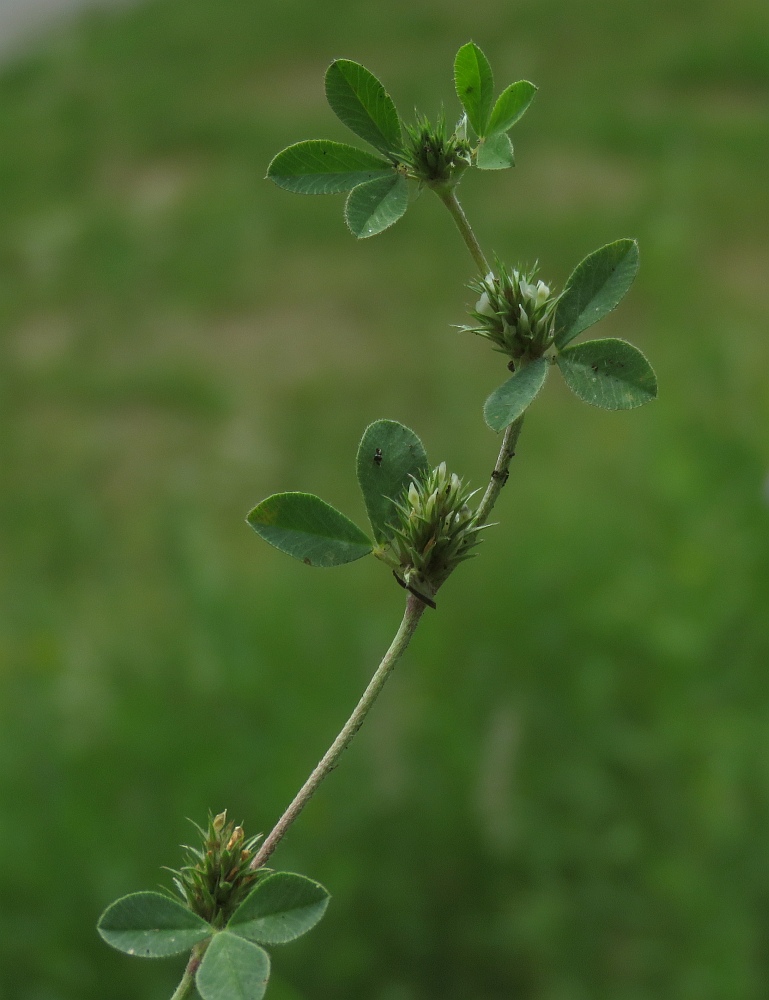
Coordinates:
[185,987]
[411,616]
[501,471]
[449,198]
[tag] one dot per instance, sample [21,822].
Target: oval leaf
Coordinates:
[608,373]
[511,399]
[495,152]
[307,528]
[596,286]
[374,207]
[510,106]
[151,925]
[360,101]
[474,83]
[233,969]
[389,454]
[319,166]
[282,907]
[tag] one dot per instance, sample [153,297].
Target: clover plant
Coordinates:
[423,520]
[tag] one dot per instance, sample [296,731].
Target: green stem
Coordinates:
[411,616]
[506,452]
[449,198]
[501,471]
[185,987]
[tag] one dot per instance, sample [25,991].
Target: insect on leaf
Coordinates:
[608,373]
[389,454]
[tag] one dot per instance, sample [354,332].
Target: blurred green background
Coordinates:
[564,791]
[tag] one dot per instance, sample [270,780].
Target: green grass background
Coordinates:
[564,791]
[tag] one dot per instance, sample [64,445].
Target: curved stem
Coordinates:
[411,616]
[449,198]
[501,471]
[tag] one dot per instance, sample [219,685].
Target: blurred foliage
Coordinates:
[564,792]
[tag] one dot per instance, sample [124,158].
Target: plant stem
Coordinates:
[449,198]
[501,471]
[184,989]
[506,452]
[411,616]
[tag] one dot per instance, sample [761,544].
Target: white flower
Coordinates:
[483,305]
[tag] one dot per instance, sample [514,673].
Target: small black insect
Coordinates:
[378,456]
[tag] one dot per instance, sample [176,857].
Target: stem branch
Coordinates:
[449,198]
[411,616]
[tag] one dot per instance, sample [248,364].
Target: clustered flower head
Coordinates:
[218,875]
[433,155]
[433,532]
[515,312]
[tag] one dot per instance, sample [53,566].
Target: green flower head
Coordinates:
[433,532]
[515,311]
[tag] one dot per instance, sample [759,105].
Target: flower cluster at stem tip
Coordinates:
[515,312]
[435,157]
[218,875]
[433,532]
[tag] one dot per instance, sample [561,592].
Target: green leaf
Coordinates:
[151,925]
[233,969]
[282,907]
[596,286]
[474,83]
[495,152]
[360,101]
[319,166]
[375,206]
[388,455]
[510,106]
[608,373]
[307,528]
[511,399]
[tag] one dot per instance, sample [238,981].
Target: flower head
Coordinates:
[434,530]
[434,155]
[218,875]
[515,312]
